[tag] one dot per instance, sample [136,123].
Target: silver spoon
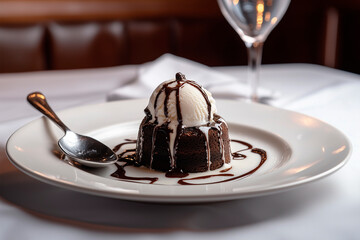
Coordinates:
[82,149]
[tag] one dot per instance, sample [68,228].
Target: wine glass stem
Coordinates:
[254,61]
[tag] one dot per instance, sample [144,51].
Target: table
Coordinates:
[326,209]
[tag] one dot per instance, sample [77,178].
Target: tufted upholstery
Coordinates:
[64,45]
[19,55]
[70,34]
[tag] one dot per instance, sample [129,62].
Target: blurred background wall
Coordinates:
[69,34]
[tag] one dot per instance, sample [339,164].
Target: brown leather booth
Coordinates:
[68,34]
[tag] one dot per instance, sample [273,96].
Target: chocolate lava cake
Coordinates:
[173,144]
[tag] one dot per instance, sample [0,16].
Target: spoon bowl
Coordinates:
[82,149]
[86,150]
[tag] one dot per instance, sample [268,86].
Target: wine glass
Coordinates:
[253,20]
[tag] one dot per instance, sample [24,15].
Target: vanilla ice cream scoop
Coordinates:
[181,101]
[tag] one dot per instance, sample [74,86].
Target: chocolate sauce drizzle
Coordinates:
[239,156]
[121,174]
[259,151]
[176,174]
[128,157]
[129,160]
[127,141]
[226,170]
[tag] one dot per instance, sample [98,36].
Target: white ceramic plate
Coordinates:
[300,149]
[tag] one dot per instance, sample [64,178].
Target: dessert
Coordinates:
[181,131]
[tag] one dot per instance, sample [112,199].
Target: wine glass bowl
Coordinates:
[253,20]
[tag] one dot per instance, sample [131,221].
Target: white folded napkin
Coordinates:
[151,74]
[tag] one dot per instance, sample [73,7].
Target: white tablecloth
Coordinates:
[325,209]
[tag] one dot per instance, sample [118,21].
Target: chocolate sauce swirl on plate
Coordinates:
[128,157]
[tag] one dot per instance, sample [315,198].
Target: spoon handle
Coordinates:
[38,100]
